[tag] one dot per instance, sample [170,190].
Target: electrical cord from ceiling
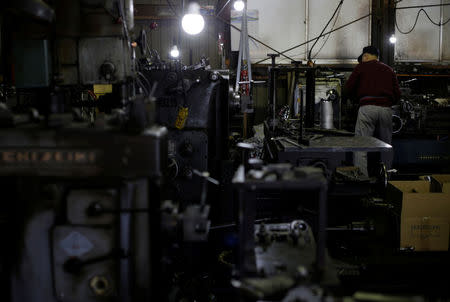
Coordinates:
[282,53]
[321,33]
[415,22]
[223,7]
[253,38]
[318,37]
[328,36]
[235,27]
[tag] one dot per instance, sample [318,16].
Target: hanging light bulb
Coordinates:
[174,52]
[393,39]
[239,5]
[192,22]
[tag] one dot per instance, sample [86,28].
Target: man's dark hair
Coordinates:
[371,50]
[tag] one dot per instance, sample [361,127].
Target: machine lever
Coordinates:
[74,265]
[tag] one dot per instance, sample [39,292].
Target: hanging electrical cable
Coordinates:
[253,38]
[328,36]
[222,8]
[282,53]
[415,22]
[318,37]
[329,21]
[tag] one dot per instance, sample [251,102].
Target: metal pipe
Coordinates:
[310,97]
[274,96]
[124,239]
[441,30]
[322,228]
[306,26]
[37,8]
[300,136]
[129,14]
[245,125]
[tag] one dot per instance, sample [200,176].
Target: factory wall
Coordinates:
[283,24]
[418,39]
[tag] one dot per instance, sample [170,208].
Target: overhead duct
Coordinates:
[36,8]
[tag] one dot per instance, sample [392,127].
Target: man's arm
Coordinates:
[352,82]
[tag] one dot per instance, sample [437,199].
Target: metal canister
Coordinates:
[326,114]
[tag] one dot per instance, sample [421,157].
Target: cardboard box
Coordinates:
[440,183]
[424,215]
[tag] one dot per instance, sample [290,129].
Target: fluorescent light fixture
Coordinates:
[392,39]
[192,22]
[239,5]
[174,52]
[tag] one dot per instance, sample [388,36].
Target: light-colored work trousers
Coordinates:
[374,121]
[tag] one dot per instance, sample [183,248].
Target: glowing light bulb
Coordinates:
[174,52]
[192,22]
[239,5]
[392,39]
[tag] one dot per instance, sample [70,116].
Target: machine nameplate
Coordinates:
[42,156]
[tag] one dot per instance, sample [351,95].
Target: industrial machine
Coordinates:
[82,162]
[83,219]
[421,126]
[193,105]
[311,139]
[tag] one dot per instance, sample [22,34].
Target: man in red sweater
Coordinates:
[375,85]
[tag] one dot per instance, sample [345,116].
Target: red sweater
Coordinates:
[373,83]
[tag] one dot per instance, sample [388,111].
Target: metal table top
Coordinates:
[338,144]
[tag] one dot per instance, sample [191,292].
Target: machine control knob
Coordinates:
[107,70]
[187,172]
[186,149]
[94,209]
[99,285]
[214,76]
[171,79]
[299,225]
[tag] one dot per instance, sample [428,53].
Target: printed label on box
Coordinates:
[425,234]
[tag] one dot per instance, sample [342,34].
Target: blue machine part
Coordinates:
[426,155]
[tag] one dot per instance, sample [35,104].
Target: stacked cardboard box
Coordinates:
[440,183]
[424,209]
